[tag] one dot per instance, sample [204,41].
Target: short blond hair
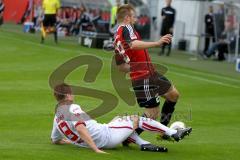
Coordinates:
[123,11]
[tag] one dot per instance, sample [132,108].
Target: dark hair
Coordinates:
[61,90]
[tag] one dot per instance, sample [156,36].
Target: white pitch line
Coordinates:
[180,74]
[204,79]
[213,75]
[41,45]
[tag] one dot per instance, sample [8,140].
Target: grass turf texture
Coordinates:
[210,92]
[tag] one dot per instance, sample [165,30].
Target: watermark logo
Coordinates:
[125,88]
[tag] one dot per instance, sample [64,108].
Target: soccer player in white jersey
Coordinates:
[73,126]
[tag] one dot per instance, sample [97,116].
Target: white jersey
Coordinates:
[66,128]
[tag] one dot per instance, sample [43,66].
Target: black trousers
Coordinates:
[166,30]
[209,35]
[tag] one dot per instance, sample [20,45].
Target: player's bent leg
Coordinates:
[120,129]
[152,113]
[134,138]
[154,126]
[135,121]
[147,97]
[144,145]
[169,105]
[172,94]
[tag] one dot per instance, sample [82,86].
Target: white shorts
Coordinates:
[119,129]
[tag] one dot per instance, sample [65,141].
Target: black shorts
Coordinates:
[148,91]
[49,20]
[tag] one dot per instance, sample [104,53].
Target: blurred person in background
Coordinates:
[231,21]
[209,28]
[168,18]
[226,41]
[65,21]
[231,28]
[50,8]
[86,19]
[114,13]
[76,26]
[1,11]
[37,16]
[74,19]
[221,46]
[219,20]
[27,12]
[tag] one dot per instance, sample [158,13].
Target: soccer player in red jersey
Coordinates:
[132,57]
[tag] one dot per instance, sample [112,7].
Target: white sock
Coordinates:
[136,139]
[154,126]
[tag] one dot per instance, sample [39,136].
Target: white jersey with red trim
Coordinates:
[67,128]
[69,116]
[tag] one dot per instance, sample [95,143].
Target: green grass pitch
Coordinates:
[210,102]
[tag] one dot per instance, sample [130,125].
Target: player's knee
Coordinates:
[176,95]
[173,95]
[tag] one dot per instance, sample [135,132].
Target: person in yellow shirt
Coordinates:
[114,13]
[50,8]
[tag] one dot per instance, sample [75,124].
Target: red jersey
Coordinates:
[139,60]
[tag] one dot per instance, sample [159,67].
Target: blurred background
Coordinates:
[204,28]
[203,62]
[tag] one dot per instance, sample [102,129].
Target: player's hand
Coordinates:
[165,39]
[100,151]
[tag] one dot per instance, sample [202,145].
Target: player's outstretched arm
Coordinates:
[85,136]
[137,44]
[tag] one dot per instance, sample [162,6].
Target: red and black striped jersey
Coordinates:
[139,60]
